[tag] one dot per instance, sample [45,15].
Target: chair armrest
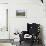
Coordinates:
[24,32]
[22,35]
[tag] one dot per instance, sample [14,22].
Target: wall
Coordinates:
[3,21]
[35,12]
[4,34]
[3,1]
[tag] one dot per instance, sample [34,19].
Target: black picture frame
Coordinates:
[20,13]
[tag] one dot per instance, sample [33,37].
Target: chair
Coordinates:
[33,30]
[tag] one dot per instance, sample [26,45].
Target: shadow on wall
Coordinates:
[41,34]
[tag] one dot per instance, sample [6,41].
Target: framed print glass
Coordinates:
[20,13]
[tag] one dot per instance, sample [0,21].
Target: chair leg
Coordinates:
[20,42]
[32,42]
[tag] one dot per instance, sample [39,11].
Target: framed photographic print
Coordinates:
[20,13]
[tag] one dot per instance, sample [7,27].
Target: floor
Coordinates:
[26,44]
[23,44]
[5,44]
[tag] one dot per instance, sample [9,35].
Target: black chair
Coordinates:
[32,29]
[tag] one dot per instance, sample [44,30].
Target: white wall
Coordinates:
[35,12]
[3,34]
[3,1]
[3,21]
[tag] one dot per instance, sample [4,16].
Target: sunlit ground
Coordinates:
[6,44]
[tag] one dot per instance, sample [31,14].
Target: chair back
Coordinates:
[33,28]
